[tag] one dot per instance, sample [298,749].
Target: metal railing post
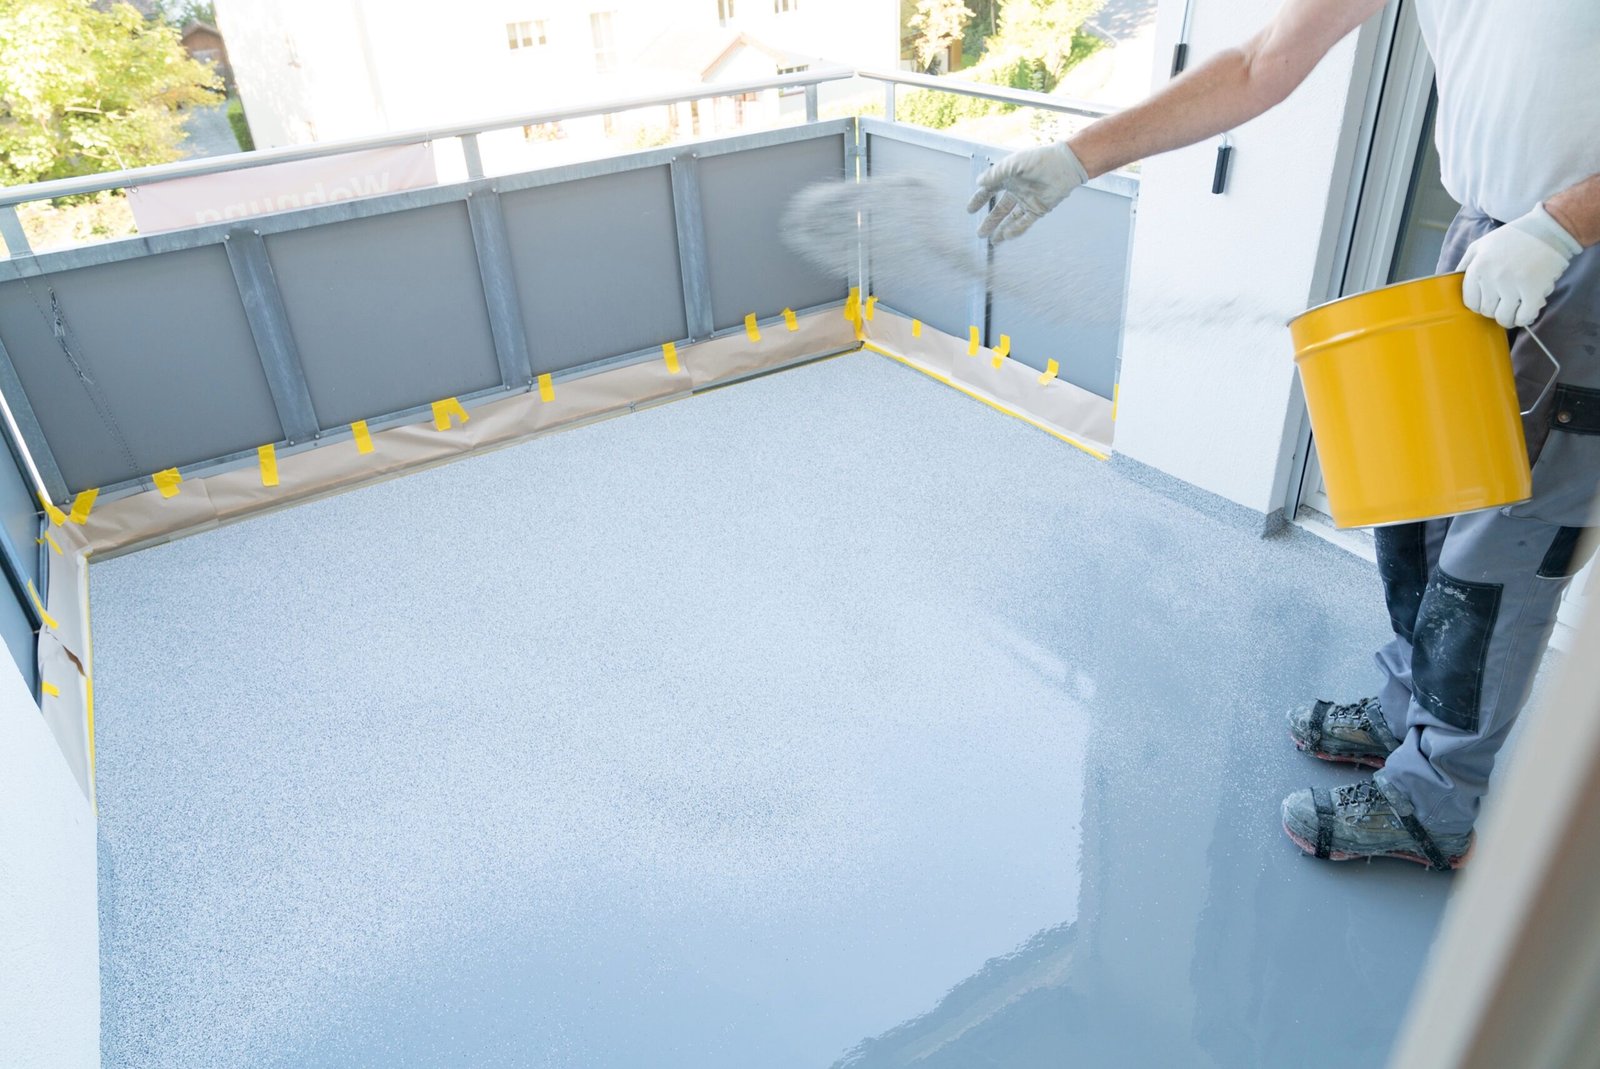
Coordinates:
[689,213]
[812,107]
[469,149]
[888,101]
[978,297]
[16,238]
[269,326]
[493,246]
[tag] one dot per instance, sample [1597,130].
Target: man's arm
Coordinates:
[1577,209]
[1225,91]
[1228,89]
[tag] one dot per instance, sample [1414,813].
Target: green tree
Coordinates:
[979,29]
[86,89]
[937,25]
[182,12]
[1042,31]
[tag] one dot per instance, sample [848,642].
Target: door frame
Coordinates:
[1389,146]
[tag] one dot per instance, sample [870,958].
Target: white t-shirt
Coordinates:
[1519,98]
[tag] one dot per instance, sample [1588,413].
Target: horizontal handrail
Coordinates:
[95,183]
[963,87]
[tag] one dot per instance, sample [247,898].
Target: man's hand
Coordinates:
[1511,270]
[1029,183]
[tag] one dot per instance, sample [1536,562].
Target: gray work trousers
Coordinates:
[1473,598]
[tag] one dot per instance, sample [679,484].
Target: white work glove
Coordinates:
[1512,269]
[1030,183]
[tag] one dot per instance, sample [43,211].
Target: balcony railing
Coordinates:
[190,349]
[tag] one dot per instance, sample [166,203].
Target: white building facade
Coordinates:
[324,70]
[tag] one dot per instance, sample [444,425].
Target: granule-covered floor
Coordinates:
[829,719]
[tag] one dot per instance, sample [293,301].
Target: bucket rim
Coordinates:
[1391,286]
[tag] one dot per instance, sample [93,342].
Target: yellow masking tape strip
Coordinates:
[444,411]
[1051,370]
[363,436]
[972,341]
[791,320]
[268,456]
[1115,391]
[57,517]
[872,306]
[49,621]
[88,680]
[167,482]
[1004,348]
[88,717]
[50,689]
[750,327]
[916,328]
[861,333]
[48,538]
[82,504]
[1030,421]
[547,388]
[669,353]
[852,306]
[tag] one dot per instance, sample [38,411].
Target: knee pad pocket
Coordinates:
[1452,647]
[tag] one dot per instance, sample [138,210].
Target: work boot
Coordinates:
[1354,733]
[1364,820]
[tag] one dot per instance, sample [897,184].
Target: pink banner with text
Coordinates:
[279,187]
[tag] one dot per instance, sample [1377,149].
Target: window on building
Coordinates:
[525,34]
[724,11]
[780,6]
[605,41]
[793,90]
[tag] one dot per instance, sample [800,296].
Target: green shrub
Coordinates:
[936,109]
[241,127]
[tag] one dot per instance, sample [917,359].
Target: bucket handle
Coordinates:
[1553,376]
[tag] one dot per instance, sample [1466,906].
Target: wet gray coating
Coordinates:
[830,719]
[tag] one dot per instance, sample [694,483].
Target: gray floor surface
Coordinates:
[829,719]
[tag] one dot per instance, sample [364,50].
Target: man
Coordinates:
[1472,599]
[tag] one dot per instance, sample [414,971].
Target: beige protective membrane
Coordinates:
[1055,406]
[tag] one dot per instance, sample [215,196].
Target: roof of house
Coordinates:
[697,53]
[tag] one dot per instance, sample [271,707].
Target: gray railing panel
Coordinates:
[745,195]
[19,514]
[19,517]
[942,302]
[596,265]
[21,642]
[148,349]
[1082,248]
[388,311]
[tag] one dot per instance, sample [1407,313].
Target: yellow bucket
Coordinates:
[1412,404]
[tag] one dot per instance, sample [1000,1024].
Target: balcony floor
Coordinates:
[827,719]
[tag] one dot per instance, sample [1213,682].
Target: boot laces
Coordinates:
[1360,799]
[1356,714]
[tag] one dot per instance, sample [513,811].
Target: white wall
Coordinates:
[1208,389]
[300,68]
[49,920]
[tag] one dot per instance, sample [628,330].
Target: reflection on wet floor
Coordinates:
[829,719]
